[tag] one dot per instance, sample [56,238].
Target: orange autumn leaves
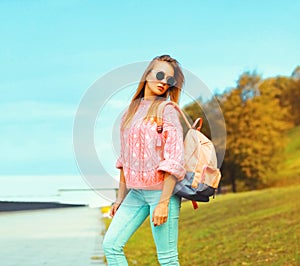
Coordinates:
[258,113]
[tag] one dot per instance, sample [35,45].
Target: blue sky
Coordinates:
[52,51]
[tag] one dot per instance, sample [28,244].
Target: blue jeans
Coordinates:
[136,207]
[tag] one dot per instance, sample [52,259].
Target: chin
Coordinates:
[158,92]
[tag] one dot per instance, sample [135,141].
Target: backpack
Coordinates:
[200,161]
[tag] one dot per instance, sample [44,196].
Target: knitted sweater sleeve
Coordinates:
[173,154]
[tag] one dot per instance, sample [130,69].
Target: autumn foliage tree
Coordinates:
[258,113]
[256,123]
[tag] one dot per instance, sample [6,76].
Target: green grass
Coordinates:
[290,172]
[250,228]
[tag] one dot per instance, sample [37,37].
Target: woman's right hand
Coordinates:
[114,209]
[121,195]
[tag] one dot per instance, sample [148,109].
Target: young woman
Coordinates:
[150,165]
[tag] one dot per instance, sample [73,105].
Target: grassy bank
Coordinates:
[251,228]
[290,171]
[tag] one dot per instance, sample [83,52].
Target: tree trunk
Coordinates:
[233,183]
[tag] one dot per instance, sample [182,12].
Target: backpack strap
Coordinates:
[160,111]
[200,120]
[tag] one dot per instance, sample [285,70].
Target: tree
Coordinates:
[257,113]
[287,91]
[255,133]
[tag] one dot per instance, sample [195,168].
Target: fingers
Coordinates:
[114,209]
[160,214]
[157,221]
[112,212]
[159,218]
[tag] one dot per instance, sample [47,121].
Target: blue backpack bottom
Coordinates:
[201,193]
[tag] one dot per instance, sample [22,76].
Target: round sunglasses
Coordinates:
[160,75]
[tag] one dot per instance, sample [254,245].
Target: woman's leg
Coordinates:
[130,215]
[166,235]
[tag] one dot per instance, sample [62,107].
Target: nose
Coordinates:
[162,83]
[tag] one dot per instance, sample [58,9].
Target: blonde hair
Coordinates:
[173,93]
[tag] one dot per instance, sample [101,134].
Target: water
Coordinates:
[62,189]
[64,237]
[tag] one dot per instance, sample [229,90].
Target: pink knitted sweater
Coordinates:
[146,154]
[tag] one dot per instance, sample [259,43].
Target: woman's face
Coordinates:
[155,87]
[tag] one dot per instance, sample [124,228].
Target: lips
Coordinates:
[161,88]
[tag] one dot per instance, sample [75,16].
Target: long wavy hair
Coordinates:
[173,93]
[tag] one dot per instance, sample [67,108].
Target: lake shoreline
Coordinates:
[11,206]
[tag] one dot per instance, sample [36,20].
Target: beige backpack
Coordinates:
[200,161]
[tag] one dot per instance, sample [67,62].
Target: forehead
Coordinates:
[164,66]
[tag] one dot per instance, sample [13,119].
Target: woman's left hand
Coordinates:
[160,213]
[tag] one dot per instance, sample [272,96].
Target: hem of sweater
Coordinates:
[158,186]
